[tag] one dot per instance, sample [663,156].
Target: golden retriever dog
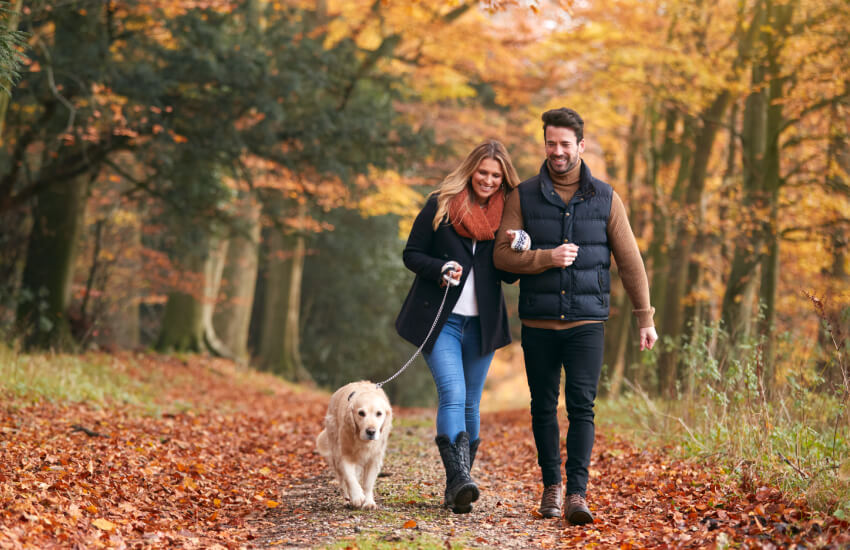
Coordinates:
[354,440]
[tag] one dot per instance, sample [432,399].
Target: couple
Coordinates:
[468,231]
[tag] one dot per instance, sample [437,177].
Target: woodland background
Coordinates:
[238,177]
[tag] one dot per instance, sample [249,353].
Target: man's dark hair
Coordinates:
[564,118]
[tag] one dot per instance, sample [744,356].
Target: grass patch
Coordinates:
[152,383]
[90,378]
[793,434]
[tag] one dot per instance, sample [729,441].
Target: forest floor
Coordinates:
[222,457]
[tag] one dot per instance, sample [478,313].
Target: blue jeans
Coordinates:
[459,371]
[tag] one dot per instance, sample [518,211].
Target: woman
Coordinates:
[452,238]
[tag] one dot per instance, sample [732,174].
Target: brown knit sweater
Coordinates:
[620,239]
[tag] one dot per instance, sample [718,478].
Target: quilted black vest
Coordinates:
[581,291]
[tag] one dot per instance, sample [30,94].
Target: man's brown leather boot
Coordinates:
[577,511]
[550,504]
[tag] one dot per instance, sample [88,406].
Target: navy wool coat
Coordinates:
[425,254]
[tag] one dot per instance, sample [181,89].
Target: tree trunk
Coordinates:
[182,326]
[213,269]
[232,315]
[621,333]
[116,314]
[279,330]
[677,282]
[49,268]
[740,287]
[621,328]
[781,19]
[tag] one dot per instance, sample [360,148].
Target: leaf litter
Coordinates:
[238,469]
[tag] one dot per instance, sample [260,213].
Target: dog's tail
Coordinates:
[322,444]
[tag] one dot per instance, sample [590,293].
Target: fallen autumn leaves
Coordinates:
[190,478]
[218,474]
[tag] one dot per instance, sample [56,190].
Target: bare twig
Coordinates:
[88,432]
[797,469]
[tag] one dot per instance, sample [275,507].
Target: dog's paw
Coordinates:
[369,504]
[357,500]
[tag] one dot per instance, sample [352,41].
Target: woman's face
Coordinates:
[486,180]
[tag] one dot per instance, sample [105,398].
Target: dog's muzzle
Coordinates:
[371,433]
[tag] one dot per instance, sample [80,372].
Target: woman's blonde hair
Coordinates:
[460,177]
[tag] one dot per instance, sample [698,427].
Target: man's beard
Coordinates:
[570,166]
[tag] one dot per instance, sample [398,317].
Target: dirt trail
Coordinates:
[640,499]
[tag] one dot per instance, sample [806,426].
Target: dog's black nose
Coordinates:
[370,432]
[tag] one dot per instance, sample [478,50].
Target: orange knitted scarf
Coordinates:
[475,221]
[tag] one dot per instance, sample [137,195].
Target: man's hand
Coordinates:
[564,255]
[648,337]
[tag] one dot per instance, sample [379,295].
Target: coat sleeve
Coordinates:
[417,252]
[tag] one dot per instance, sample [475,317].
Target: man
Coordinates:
[574,222]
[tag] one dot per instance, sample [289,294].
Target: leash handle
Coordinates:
[434,324]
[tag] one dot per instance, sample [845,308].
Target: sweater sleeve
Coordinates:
[531,261]
[629,262]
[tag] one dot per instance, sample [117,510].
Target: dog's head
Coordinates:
[370,412]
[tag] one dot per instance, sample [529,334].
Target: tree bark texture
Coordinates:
[678,285]
[279,350]
[49,268]
[182,326]
[213,269]
[232,316]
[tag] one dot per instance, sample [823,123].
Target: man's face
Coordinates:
[562,149]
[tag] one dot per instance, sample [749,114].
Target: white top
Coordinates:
[467,304]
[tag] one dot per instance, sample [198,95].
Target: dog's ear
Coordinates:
[388,419]
[350,421]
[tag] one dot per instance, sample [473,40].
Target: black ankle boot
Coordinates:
[473,448]
[461,491]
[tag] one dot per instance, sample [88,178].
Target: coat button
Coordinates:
[562,316]
[566,213]
[566,240]
[563,292]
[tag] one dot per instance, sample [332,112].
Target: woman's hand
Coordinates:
[452,272]
[520,241]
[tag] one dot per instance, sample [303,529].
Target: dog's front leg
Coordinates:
[352,486]
[370,473]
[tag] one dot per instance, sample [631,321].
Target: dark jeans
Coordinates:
[579,351]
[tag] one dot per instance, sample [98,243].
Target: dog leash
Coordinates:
[520,241]
[449,285]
